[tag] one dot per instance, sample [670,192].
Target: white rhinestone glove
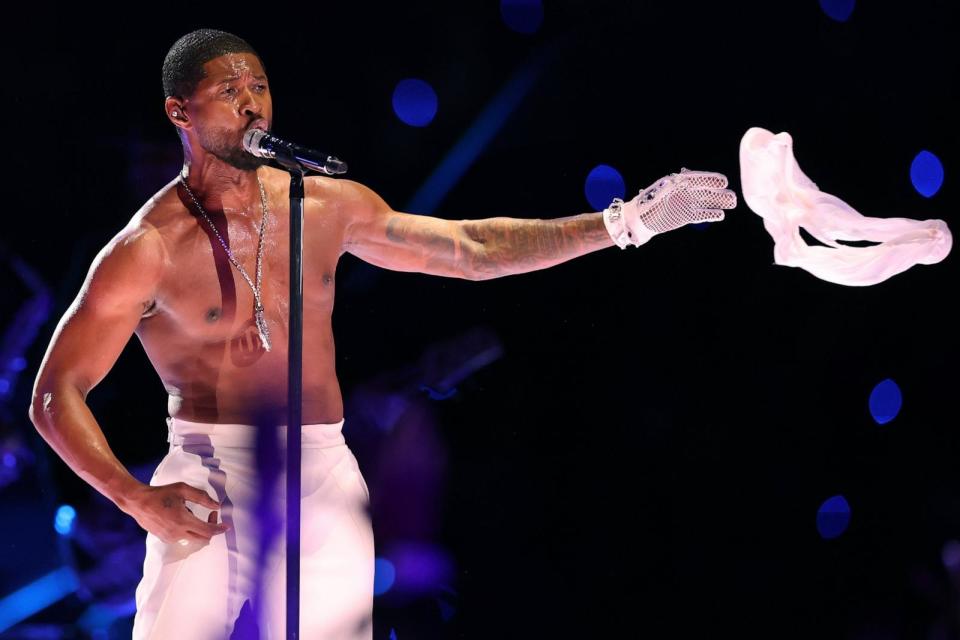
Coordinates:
[668,204]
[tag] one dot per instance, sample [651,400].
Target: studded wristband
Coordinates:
[613,220]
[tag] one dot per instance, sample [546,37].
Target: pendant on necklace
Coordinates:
[262,327]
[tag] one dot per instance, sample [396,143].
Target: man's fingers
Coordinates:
[199,535]
[220,526]
[715,198]
[709,215]
[198,527]
[210,530]
[198,496]
[184,537]
[709,179]
[206,529]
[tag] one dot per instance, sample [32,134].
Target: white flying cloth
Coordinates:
[778,191]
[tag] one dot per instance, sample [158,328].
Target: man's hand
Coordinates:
[667,204]
[162,511]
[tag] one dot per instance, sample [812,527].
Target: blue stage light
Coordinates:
[9,460]
[434,394]
[384,575]
[885,401]
[36,596]
[63,522]
[421,567]
[833,517]
[926,174]
[604,183]
[415,102]
[476,137]
[839,10]
[522,16]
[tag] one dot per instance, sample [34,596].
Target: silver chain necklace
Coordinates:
[258,303]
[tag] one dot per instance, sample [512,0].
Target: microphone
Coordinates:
[266,145]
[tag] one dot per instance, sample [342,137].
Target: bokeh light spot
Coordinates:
[926,174]
[384,575]
[63,521]
[603,184]
[885,401]
[839,10]
[833,517]
[415,102]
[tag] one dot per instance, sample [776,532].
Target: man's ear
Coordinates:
[175,111]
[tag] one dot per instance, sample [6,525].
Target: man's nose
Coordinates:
[250,105]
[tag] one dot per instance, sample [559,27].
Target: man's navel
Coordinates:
[213,314]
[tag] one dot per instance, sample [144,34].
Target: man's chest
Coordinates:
[210,290]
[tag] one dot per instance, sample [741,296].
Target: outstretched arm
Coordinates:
[517,245]
[468,249]
[495,247]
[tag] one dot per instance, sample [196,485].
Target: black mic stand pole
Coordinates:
[294,396]
[295,166]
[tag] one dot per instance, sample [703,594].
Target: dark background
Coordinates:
[648,455]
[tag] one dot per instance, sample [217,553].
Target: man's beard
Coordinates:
[218,141]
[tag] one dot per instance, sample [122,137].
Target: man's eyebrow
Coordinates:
[234,78]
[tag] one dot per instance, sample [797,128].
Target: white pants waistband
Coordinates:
[313,436]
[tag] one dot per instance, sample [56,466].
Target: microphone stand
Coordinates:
[296,162]
[294,403]
[294,396]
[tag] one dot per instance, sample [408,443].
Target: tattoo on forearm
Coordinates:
[515,245]
[494,247]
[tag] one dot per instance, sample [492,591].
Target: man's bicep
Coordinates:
[98,324]
[405,241]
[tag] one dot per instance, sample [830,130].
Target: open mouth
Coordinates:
[258,124]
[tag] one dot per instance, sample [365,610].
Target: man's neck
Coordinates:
[221,187]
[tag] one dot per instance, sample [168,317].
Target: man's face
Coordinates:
[233,98]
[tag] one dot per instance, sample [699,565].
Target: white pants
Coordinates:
[196,592]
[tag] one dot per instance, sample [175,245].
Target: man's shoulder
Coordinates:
[131,263]
[139,242]
[318,188]
[161,208]
[162,219]
[332,190]
[347,196]
[147,233]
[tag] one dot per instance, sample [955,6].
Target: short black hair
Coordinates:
[183,66]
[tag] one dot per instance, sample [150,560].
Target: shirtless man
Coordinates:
[167,277]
